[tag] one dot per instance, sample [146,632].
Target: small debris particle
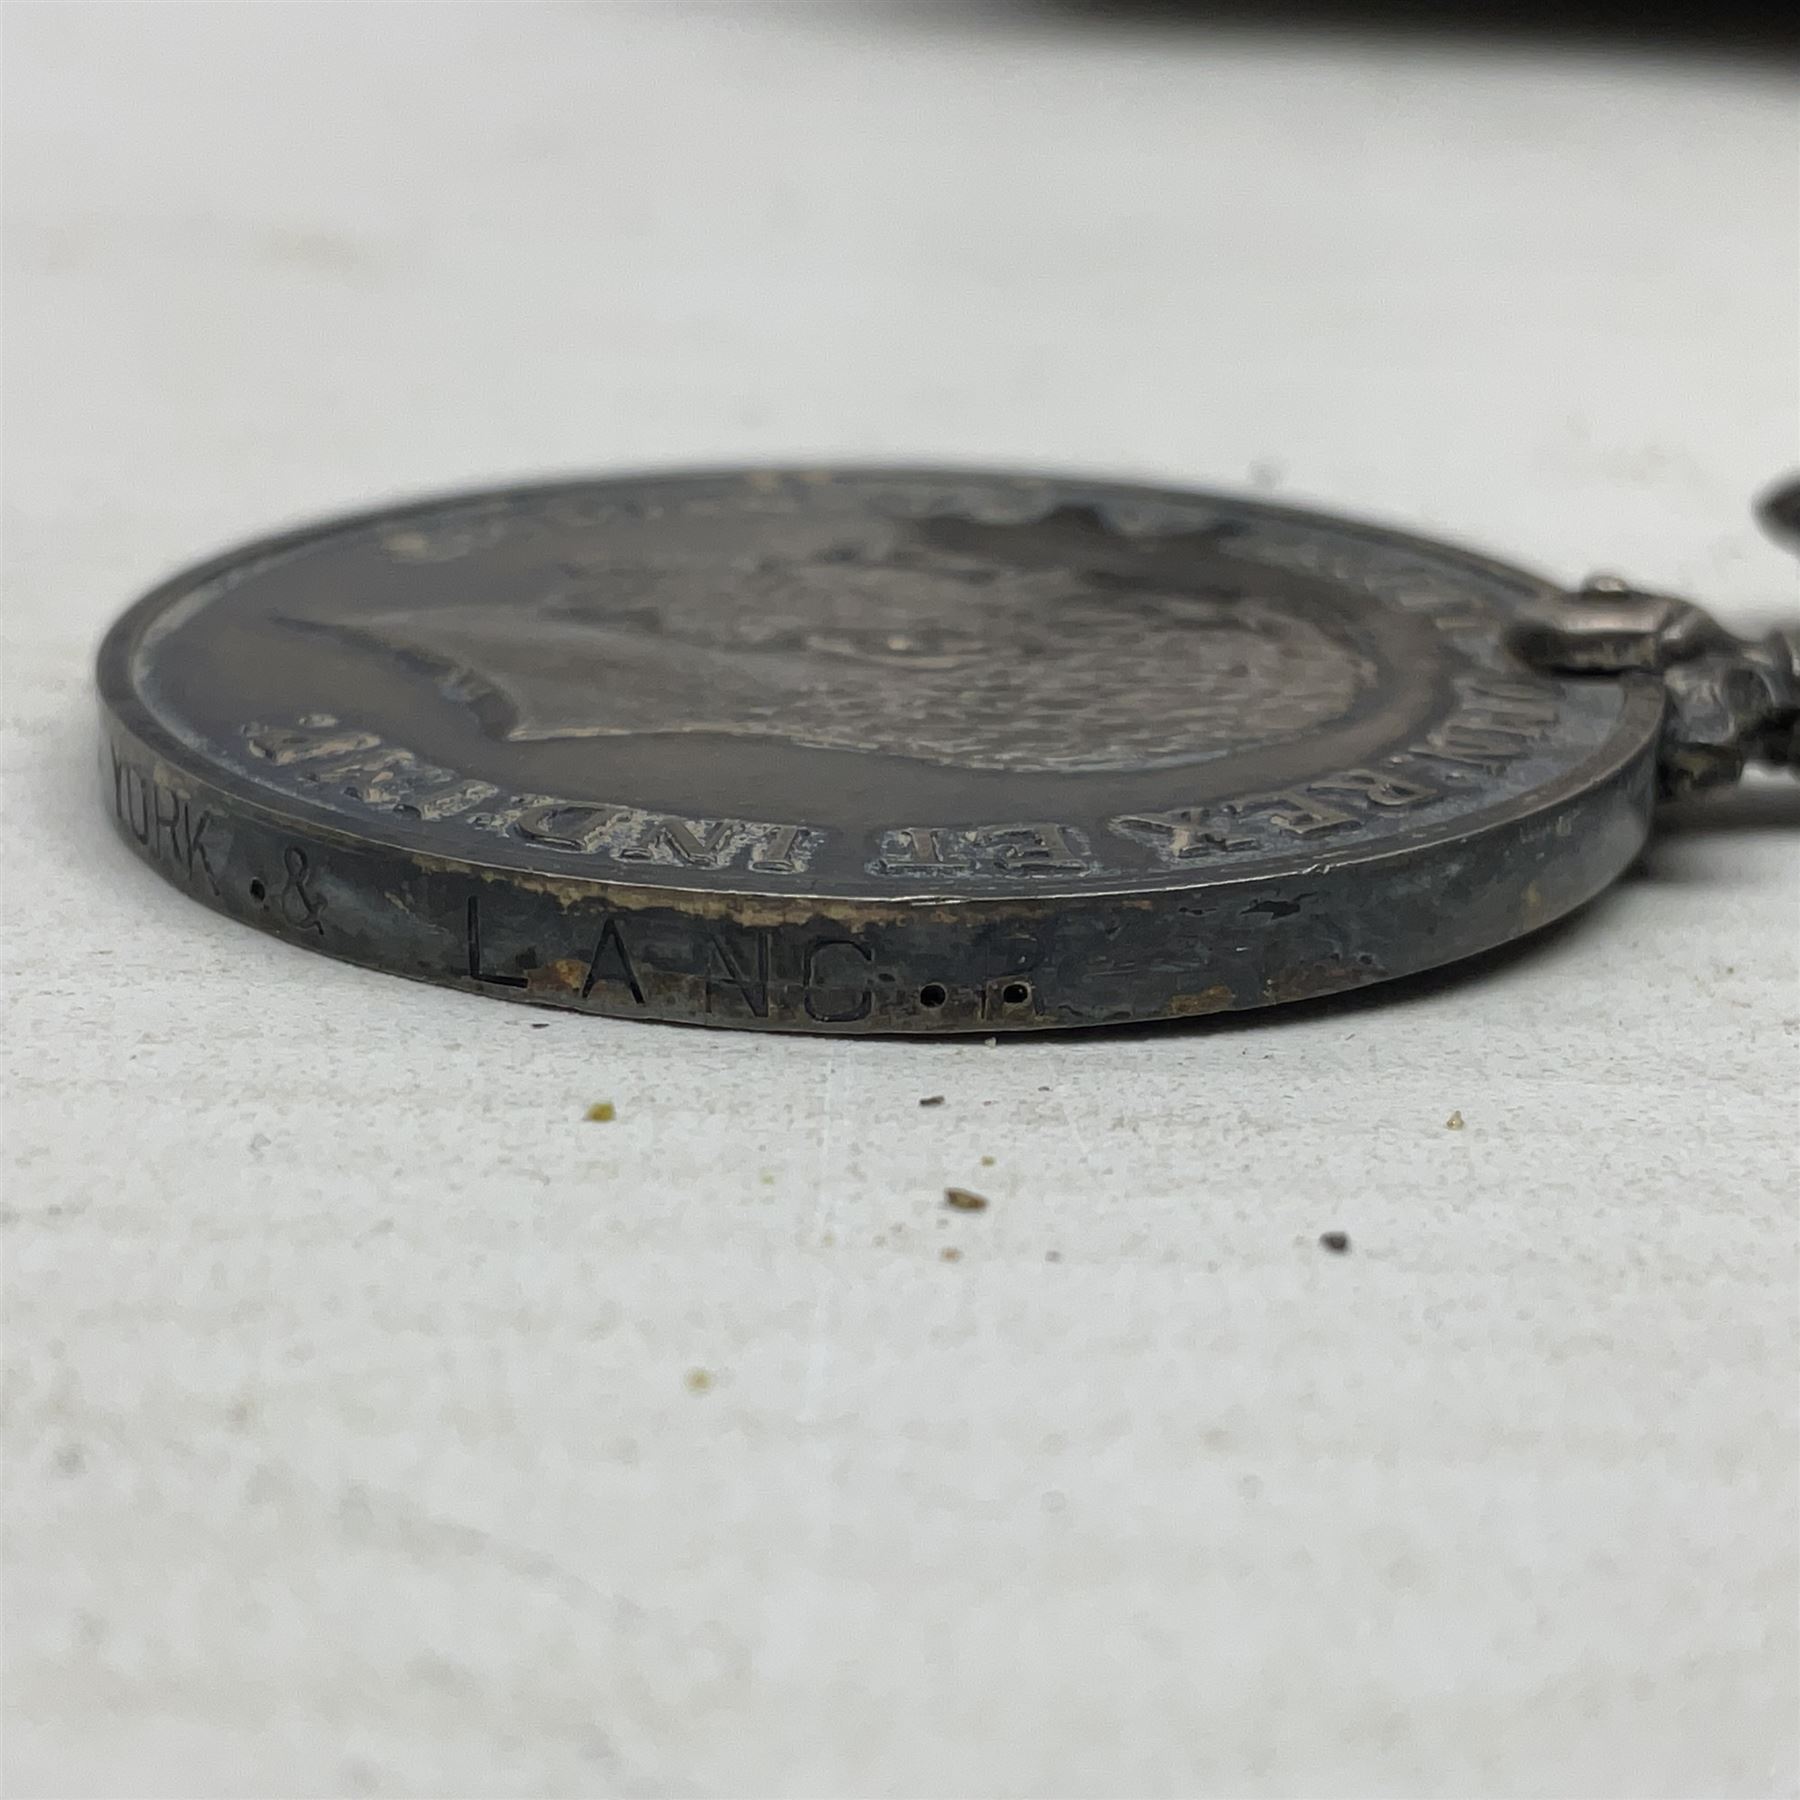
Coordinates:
[829,1240]
[1454,1122]
[991,1043]
[964,1201]
[1337,1242]
[602,1112]
[699,1381]
[768,1179]
[949,1253]
[540,1024]
[987,1162]
[932,1100]
[1052,1256]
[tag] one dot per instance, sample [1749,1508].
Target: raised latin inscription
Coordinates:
[1495,721]
[320,751]
[1185,833]
[1372,787]
[1292,811]
[1309,810]
[626,834]
[1026,849]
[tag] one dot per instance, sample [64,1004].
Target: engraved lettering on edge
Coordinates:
[301,906]
[611,962]
[477,969]
[729,972]
[161,820]
[852,994]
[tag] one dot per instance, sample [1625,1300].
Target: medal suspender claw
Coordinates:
[1732,701]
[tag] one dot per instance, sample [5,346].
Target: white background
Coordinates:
[352,1446]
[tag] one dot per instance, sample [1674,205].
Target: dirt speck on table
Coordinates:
[949,1253]
[1454,1122]
[987,1162]
[699,1381]
[964,1200]
[1337,1242]
[932,1100]
[602,1112]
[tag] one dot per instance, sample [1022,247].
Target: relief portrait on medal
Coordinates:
[941,655]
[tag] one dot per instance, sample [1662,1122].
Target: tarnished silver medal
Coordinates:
[907,750]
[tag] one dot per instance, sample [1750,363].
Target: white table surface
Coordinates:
[353,1449]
